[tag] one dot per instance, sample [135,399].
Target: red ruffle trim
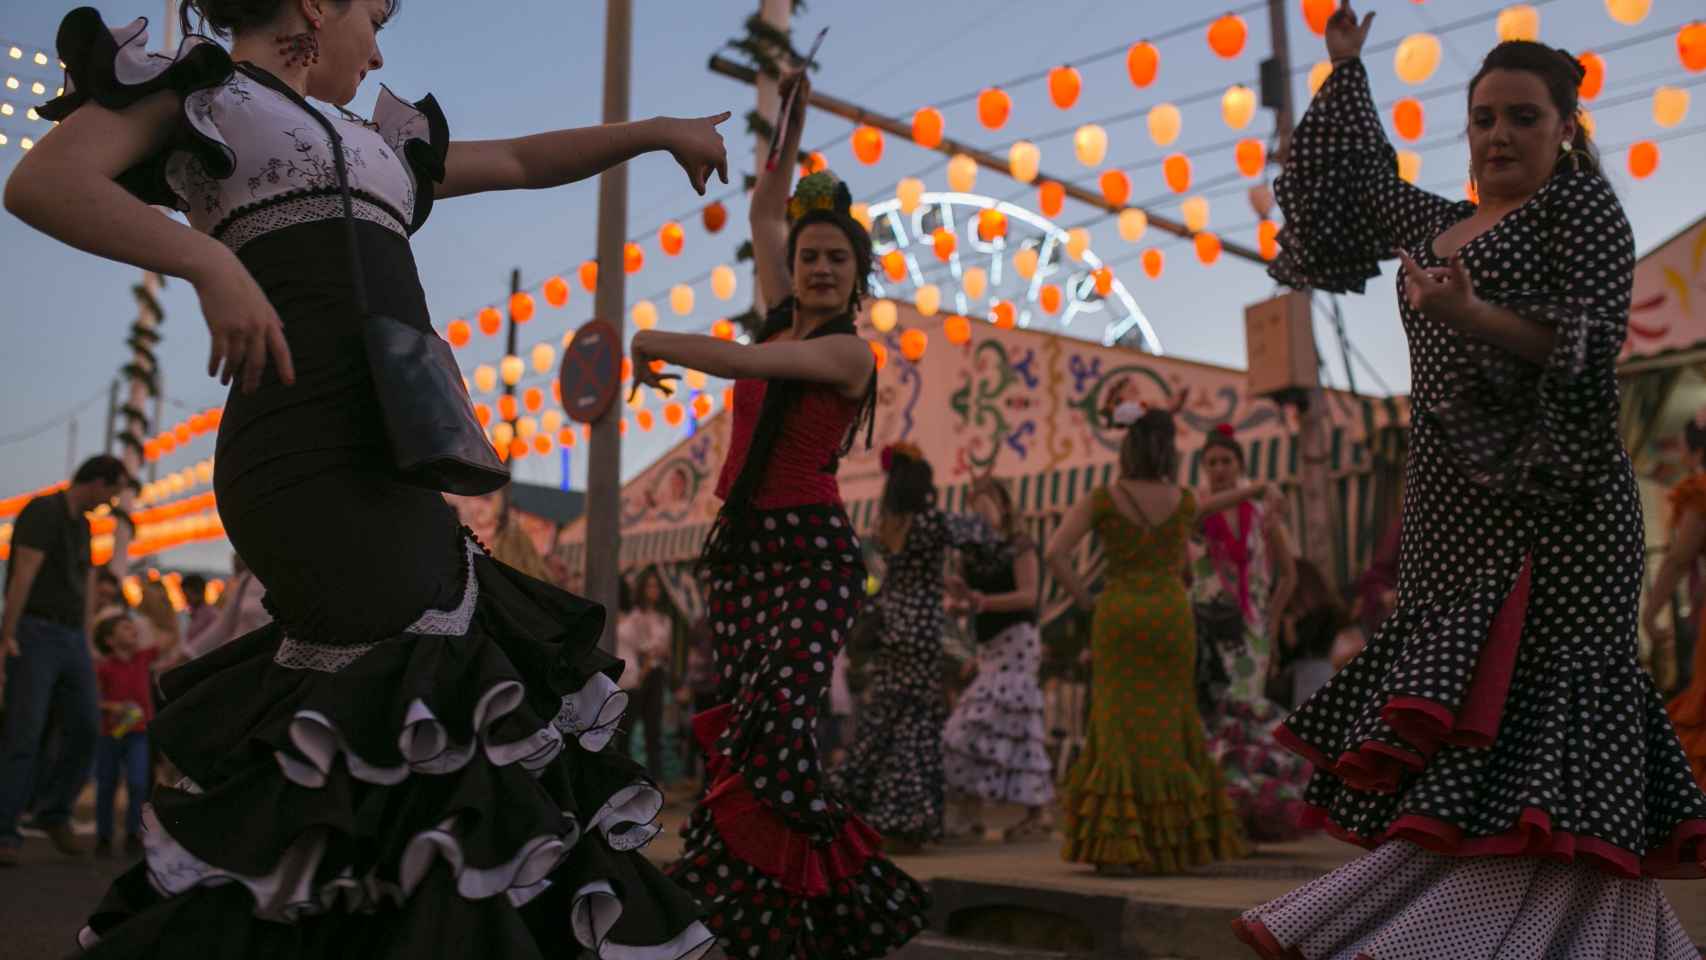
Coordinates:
[1256,936]
[1426,725]
[758,836]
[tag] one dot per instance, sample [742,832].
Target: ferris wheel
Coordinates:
[1074,306]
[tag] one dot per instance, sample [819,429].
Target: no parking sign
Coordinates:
[591,371]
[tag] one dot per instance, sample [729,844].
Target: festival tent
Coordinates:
[1028,407]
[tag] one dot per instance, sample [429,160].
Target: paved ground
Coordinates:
[43,902]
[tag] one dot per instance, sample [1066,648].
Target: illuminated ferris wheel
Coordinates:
[1030,265]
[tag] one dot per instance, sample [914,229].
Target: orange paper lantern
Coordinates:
[815,162]
[181,433]
[1691,46]
[1064,85]
[714,216]
[566,437]
[1643,159]
[533,399]
[459,333]
[1051,197]
[490,320]
[1116,187]
[1153,262]
[994,106]
[506,408]
[521,307]
[644,419]
[1104,280]
[1176,170]
[1251,156]
[894,266]
[556,291]
[483,414]
[1407,118]
[627,369]
[991,224]
[913,343]
[957,329]
[877,350]
[728,397]
[942,240]
[1316,13]
[702,406]
[589,276]
[927,128]
[674,413]
[622,426]
[723,330]
[1049,298]
[1003,314]
[867,144]
[518,449]
[671,238]
[541,444]
[1142,62]
[633,258]
[1267,239]
[1593,75]
[1208,247]
[1226,36]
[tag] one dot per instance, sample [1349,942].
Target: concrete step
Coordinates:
[936,946]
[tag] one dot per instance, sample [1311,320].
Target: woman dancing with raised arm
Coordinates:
[1144,796]
[780,863]
[408,762]
[1497,744]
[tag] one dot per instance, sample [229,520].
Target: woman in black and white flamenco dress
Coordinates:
[409,762]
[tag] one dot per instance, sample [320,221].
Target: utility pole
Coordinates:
[1319,524]
[778,14]
[509,336]
[112,416]
[604,459]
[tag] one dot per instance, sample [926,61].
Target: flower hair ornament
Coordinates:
[899,449]
[819,191]
[1127,413]
[1226,430]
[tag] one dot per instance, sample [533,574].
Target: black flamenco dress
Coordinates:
[1497,745]
[782,865]
[409,762]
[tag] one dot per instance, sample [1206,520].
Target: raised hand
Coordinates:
[1444,294]
[243,326]
[641,359]
[698,147]
[1345,34]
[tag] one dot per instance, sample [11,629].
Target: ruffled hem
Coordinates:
[757,835]
[1405,901]
[1111,817]
[115,69]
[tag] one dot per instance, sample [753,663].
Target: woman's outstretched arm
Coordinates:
[546,160]
[843,362]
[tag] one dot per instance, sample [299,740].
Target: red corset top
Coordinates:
[799,471]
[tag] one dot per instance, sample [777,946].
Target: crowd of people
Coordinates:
[417,747]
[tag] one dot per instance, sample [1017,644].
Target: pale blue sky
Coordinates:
[514,67]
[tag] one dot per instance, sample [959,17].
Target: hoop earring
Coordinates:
[300,48]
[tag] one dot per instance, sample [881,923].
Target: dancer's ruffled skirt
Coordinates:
[444,792]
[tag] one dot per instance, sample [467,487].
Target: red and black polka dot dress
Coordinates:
[1497,743]
[780,865]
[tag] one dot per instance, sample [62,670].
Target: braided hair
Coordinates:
[734,519]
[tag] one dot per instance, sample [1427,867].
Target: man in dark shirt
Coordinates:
[46,664]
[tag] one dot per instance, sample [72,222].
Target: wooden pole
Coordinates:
[857,114]
[604,459]
[1318,527]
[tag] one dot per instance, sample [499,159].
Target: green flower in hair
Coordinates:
[819,191]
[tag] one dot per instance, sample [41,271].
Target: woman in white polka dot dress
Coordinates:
[1497,745]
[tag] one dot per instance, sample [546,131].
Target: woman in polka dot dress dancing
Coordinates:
[893,775]
[1497,745]
[782,867]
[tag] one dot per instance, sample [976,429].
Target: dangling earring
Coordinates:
[301,48]
[1571,156]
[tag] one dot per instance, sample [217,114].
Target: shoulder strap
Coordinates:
[1126,499]
[357,279]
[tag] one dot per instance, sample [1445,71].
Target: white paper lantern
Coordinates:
[1133,224]
[1023,160]
[975,282]
[928,299]
[723,282]
[962,173]
[1090,143]
[908,192]
[1077,242]
[884,315]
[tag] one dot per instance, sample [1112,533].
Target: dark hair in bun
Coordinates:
[223,18]
[1149,451]
[1224,437]
[1561,73]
